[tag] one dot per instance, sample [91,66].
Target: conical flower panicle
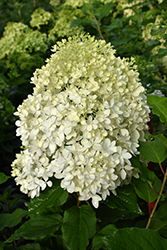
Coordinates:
[82,123]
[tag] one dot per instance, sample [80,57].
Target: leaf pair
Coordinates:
[78,226]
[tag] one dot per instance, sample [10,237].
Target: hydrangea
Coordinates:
[55,3]
[79,3]
[19,38]
[64,17]
[160,31]
[82,123]
[129,6]
[40,17]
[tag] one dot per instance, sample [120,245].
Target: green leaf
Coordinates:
[151,12]
[38,227]
[118,41]
[115,24]
[154,32]
[3,178]
[87,8]
[165,36]
[144,190]
[161,137]
[76,22]
[162,53]
[11,220]
[159,224]
[2,245]
[89,21]
[30,246]
[52,196]
[13,201]
[126,200]
[79,225]
[159,105]
[154,151]
[145,173]
[104,10]
[98,240]
[129,239]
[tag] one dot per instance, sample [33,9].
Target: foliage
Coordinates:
[22,51]
[137,30]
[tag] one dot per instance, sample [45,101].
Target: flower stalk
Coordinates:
[157,201]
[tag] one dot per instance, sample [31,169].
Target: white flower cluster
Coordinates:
[82,123]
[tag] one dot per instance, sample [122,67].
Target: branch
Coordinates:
[159,197]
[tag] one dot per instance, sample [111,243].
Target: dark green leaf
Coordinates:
[115,24]
[159,226]
[2,245]
[165,36]
[161,213]
[156,31]
[38,227]
[159,223]
[30,246]
[87,8]
[119,41]
[104,10]
[98,240]
[144,190]
[54,196]
[160,137]
[3,178]
[76,22]
[108,215]
[154,151]
[145,173]
[14,201]
[130,239]
[89,21]
[152,43]
[6,195]
[159,105]
[79,225]
[151,12]
[11,220]
[162,52]
[126,200]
